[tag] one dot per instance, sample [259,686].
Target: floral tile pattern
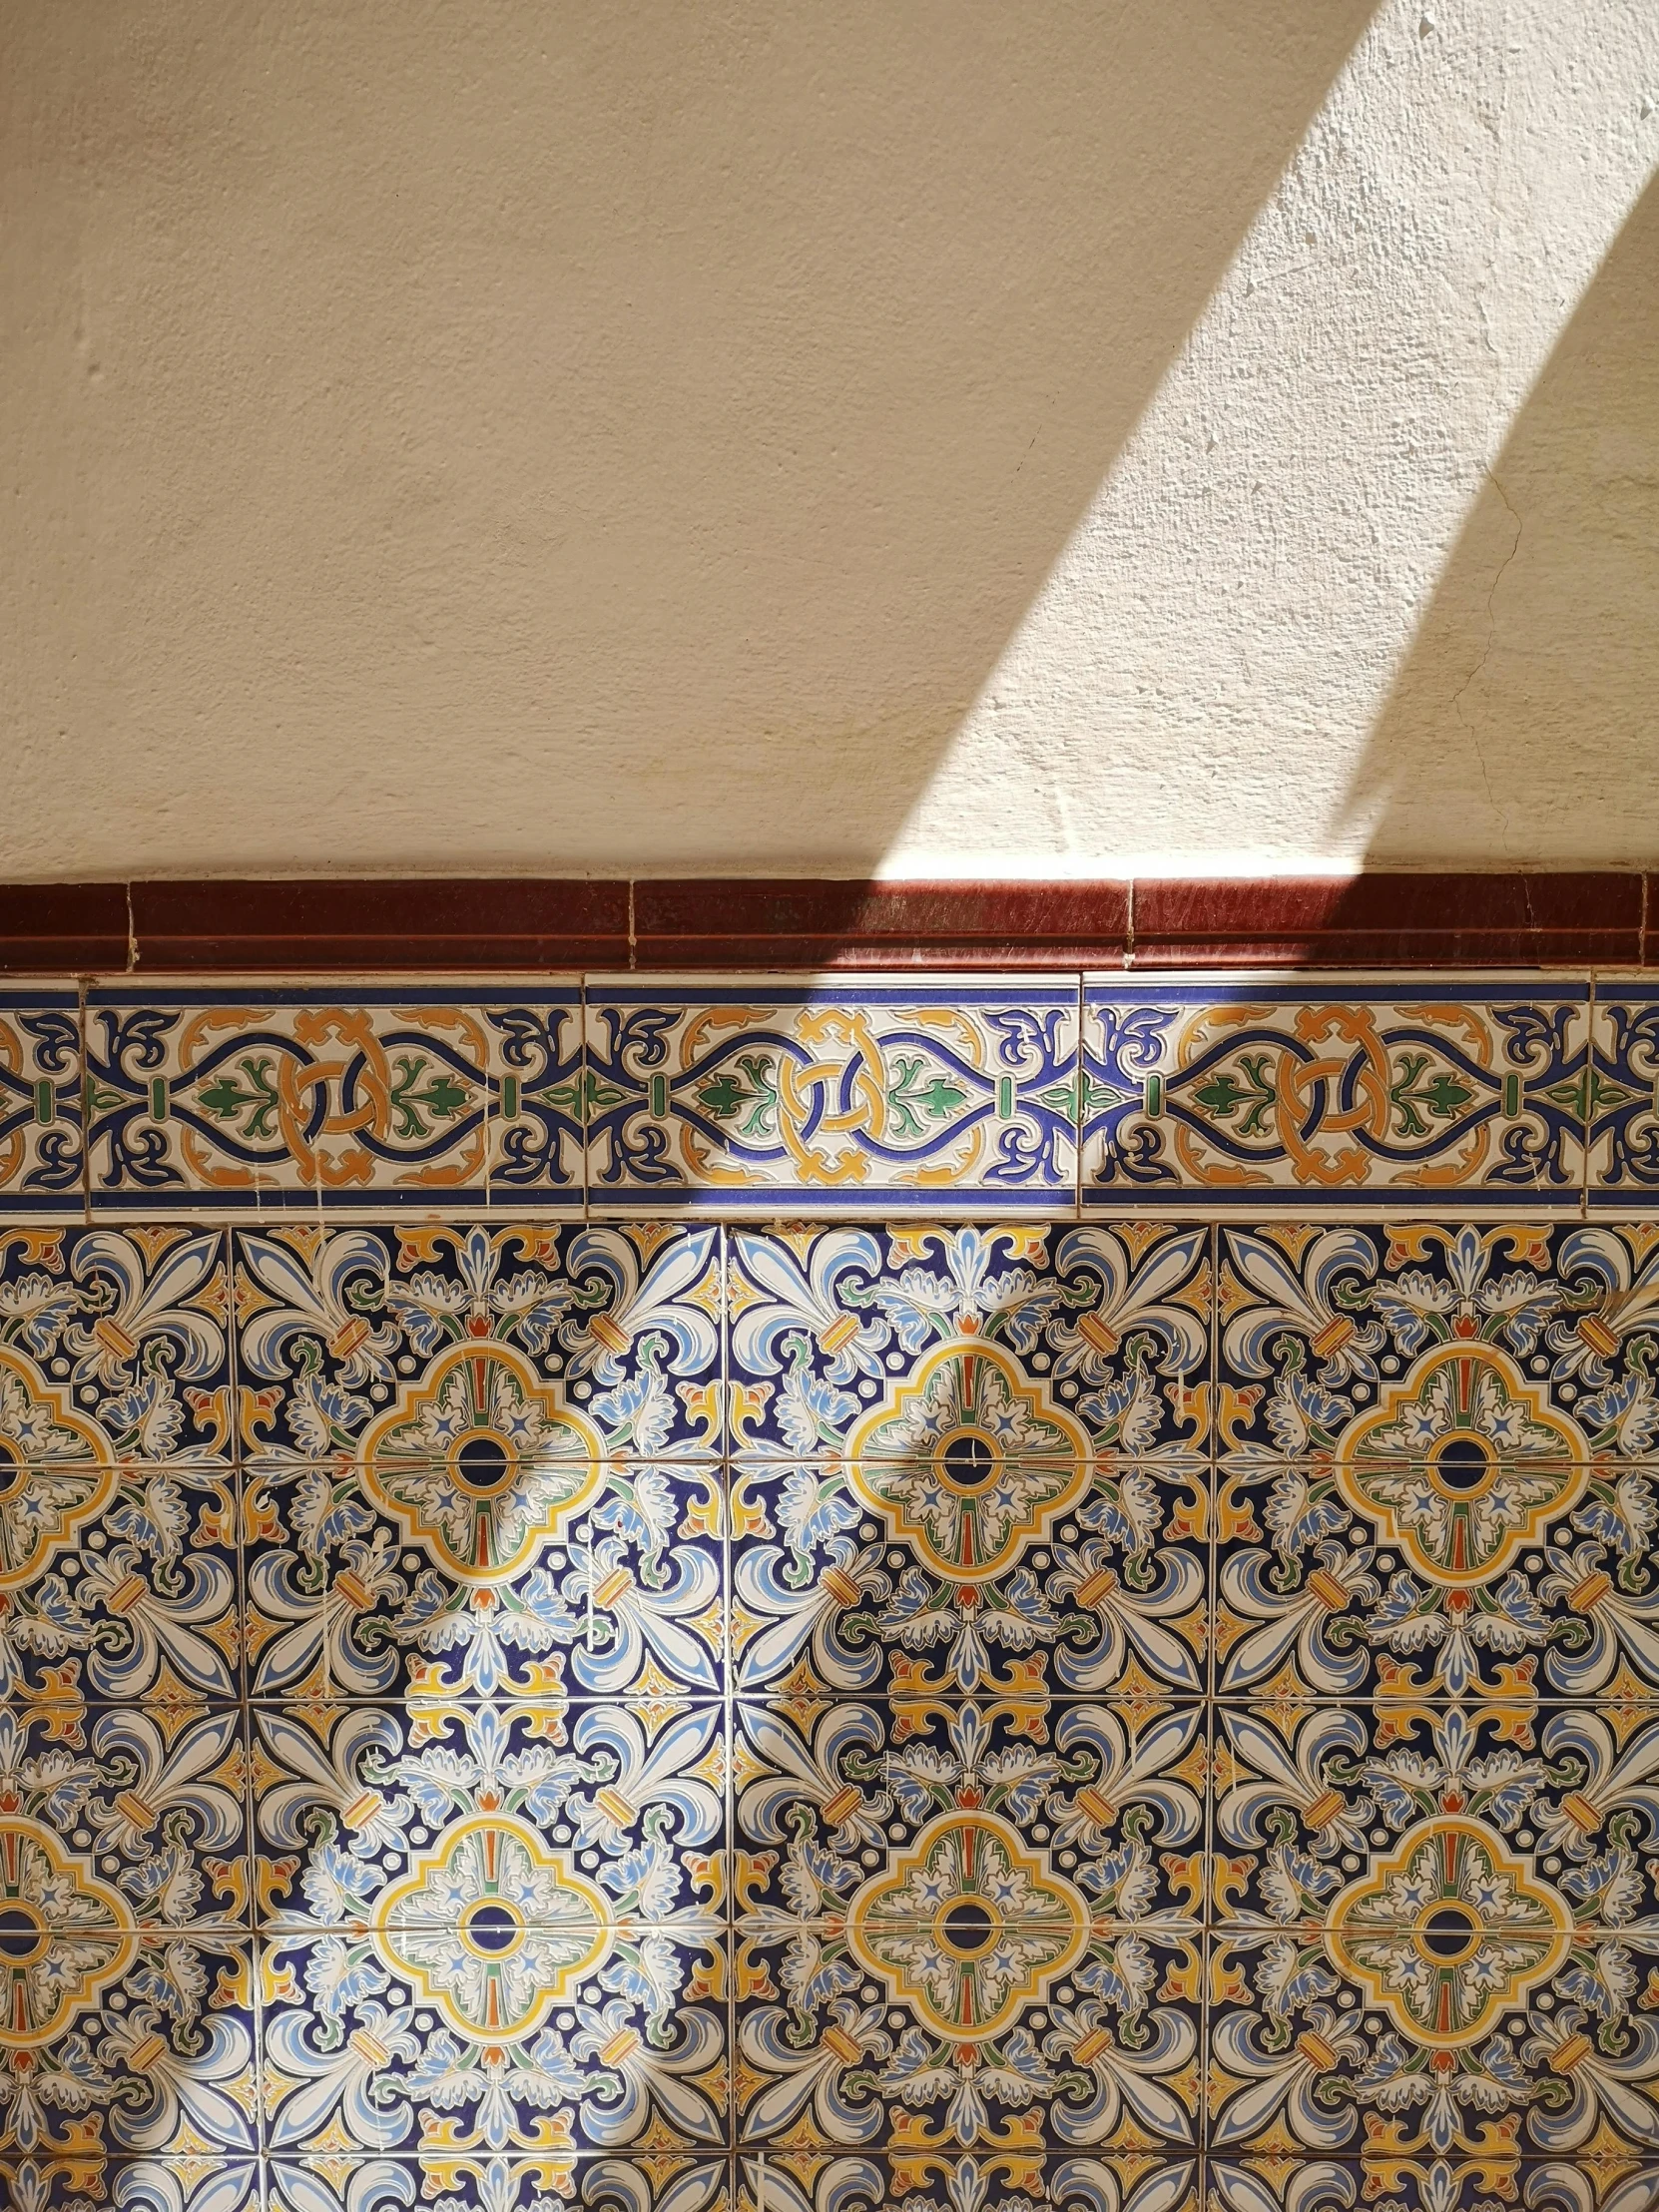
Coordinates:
[1324,1095]
[969,1458]
[1623,1112]
[1143,1714]
[1432,1452]
[482,1461]
[119,1511]
[41,1162]
[949,1094]
[281,1099]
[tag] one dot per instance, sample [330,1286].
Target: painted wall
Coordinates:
[945,439]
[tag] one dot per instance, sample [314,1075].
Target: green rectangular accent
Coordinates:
[1004,1098]
[659,1097]
[509,1098]
[46,1102]
[1154,1097]
[1511,1097]
[158,1098]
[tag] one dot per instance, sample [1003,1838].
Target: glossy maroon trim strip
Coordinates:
[1568,920]
[423,924]
[62,929]
[769,925]
[409,926]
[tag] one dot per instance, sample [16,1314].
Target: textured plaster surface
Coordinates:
[946,439]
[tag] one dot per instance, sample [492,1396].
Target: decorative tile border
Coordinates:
[305,1099]
[1624,1094]
[936,1094]
[1335,1094]
[41,1167]
[620,1096]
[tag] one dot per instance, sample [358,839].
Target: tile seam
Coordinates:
[1587,1169]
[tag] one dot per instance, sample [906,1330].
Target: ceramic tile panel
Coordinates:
[755,2181]
[309,1098]
[119,1561]
[1433,1458]
[117,2043]
[121,1820]
[977,1905]
[1380,2044]
[48,2178]
[927,2178]
[482,1459]
[416,2037]
[1334,1095]
[969,1457]
[923,1093]
[922,2181]
[545,2181]
[42,1168]
[938,1702]
[1597,2179]
[1624,1110]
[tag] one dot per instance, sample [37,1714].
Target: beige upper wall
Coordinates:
[948,439]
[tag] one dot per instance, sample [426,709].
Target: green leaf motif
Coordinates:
[1418,1101]
[912,1094]
[417,1109]
[727,1095]
[253,1102]
[721,1096]
[1224,1094]
[1076,1101]
[1588,1093]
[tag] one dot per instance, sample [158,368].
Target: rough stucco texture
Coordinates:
[948,439]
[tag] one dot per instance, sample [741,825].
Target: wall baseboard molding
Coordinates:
[710,924]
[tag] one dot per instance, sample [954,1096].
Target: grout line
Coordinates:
[582,1094]
[83,1076]
[633,939]
[1585,1165]
[729,1965]
[1082,1117]
[132,933]
[1129,928]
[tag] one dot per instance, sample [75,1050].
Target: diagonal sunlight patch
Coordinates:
[1192,688]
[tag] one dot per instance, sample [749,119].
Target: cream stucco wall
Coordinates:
[943,437]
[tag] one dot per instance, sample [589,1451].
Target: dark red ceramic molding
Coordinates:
[709,923]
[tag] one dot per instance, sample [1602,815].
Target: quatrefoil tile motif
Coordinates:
[1128,1712]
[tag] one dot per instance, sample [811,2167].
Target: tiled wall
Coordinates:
[1047,1095]
[1089,1639]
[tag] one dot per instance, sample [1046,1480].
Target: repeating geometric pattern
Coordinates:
[1332,1093]
[284,1099]
[1140,1714]
[966,1090]
[621,1098]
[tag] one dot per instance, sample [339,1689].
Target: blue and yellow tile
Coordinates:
[485,2035]
[42,1167]
[1203,1096]
[921,1094]
[1131,1714]
[299,1098]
